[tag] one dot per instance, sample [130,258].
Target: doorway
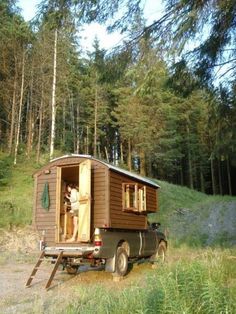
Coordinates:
[79,176]
[66,175]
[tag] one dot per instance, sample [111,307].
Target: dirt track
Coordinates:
[15,298]
[18,255]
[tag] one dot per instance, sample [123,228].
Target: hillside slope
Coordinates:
[188,216]
[195,218]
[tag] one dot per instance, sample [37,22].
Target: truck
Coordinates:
[113,227]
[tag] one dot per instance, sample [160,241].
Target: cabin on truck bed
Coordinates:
[110,198]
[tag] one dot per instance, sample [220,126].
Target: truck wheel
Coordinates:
[71,270]
[161,252]
[121,262]
[160,256]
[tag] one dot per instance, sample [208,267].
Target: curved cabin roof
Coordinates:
[109,166]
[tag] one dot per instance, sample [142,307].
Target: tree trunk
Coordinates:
[220,177]
[77,129]
[181,174]
[142,163]
[87,141]
[99,151]
[129,161]
[121,153]
[73,130]
[229,177]
[30,132]
[106,153]
[31,118]
[20,108]
[213,176]
[190,168]
[53,122]
[64,123]
[40,126]
[13,110]
[202,180]
[95,122]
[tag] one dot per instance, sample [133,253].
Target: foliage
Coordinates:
[130,108]
[209,26]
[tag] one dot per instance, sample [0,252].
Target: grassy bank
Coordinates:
[16,195]
[203,283]
[192,217]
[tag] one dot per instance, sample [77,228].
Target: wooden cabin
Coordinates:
[109,197]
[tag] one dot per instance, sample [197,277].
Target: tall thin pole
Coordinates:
[54,97]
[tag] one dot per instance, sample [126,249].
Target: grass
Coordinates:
[192,217]
[194,284]
[16,196]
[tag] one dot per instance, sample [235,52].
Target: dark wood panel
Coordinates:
[127,226]
[137,224]
[127,216]
[46,223]
[42,180]
[100,214]
[100,179]
[51,199]
[116,187]
[46,218]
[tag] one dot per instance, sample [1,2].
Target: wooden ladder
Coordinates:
[36,267]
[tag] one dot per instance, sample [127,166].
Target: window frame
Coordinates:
[139,191]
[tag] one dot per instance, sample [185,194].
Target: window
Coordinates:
[133,197]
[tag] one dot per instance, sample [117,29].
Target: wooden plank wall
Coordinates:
[152,199]
[119,218]
[100,209]
[46,220]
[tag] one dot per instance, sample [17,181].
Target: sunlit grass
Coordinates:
[16,197]
[202,283]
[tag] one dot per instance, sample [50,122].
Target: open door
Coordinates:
[85,201]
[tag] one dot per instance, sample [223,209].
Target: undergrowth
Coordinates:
[16,195]
[202,286]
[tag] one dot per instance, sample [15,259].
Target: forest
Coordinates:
[162,103]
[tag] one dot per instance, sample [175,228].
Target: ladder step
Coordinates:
[42,257]
[58,261]
[35,269]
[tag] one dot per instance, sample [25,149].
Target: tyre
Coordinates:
[71,270]
[161,252]
[160,256]
[121,266]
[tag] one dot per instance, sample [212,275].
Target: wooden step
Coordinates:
[37,266]
[58,261]
[35,269]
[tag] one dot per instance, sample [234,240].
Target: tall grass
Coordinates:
[202,286]
[16,195]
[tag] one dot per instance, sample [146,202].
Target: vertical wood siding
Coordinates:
[47,220]
[129,220]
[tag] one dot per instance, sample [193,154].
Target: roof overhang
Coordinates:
[112,167]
